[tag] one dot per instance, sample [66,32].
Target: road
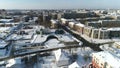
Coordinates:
[38,51]
[95,47]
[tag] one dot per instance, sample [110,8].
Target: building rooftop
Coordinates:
[74,65]
[109,58]
[53,43]
[114,29]
[54,21]
[3,43]
[5,20]
[81,25]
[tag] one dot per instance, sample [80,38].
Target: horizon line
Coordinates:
[58,9]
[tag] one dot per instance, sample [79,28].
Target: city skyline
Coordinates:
[59,4]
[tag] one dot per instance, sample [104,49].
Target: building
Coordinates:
[53,15]
[62,58]
[94,33]
[102,29]
[80,14]
[6,20]
[4,48]
[103,34]
[105,59]
[74,65]
[117,45]
[71,24]
[66,21]
[87,31]
[3,13]
[14,63]
[104,23]
[54,23]
[59,16]
[96,24]
[111,23]
[114,32]
[79,27]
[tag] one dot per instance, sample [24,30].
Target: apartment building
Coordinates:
[54,23]
[79,28]
[104,23]
[103,34]
[105,59]
[87,31]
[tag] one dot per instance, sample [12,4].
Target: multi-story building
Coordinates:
[59,16]
[4,48]
[71,24]
[79,27]
[110,23]
[3,13]
[96,24]
[104,29]
[94,33]
[117,45]
[66,21]
[87,31]
[103,34]
[114,32]
[54,23]
[80,14]
[104,23]
[105,59]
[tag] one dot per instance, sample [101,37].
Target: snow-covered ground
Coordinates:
[83,58]
[25,41]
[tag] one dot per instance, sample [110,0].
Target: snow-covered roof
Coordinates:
[81,25]
[114,29]
[2,52]
[63,19]
[35,18]
[4,28]
[8,23]
[39,38]
[6,20]
[109,20]
[109,58]
[74,65]
[2,62]
[53,21]
[95,22]
[118,43]
[71,20]
[59,55]
[3,35]
[26,36]
[3,43]
[19,37]
[52,43]
[10,63]
[66,38]
[71,23]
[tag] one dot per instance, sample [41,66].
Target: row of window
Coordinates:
[101,65]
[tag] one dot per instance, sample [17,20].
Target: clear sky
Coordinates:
[58,4]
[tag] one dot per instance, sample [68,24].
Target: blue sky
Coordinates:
[58,4]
